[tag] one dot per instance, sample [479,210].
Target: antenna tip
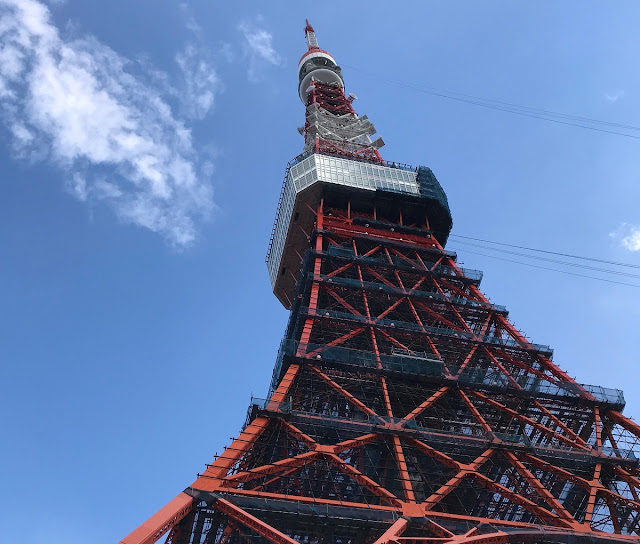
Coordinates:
[308,27]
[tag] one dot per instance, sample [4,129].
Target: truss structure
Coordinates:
[405,407]
[333,127]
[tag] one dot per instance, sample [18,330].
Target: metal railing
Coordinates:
[431,295]
[348,415]
[425,364]
[439,331]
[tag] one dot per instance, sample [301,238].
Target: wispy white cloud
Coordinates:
[628,236]
[99,116]
[226,52]
[614,97]
[190,20]
[632,240]
[258,49]
[200,82]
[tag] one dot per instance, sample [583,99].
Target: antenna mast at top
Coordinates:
[310,35]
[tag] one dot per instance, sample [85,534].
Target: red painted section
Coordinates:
[162,521]
[308,27]
[314,50]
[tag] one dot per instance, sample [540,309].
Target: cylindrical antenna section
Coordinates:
[316,65]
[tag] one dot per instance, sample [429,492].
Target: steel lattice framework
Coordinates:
[404,406]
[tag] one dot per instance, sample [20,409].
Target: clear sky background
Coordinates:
[142,150]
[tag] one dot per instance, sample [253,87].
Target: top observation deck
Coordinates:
[311,176]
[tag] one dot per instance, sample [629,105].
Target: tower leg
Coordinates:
[163,520]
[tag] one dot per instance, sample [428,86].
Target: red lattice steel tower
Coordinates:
[404,405]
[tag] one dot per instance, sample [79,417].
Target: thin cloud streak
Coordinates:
[614,97]
[99,117]
[200,82]
[258,49]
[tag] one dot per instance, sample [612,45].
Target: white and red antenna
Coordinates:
[310,35]
[317,65]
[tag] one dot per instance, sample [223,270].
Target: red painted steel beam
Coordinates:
[263,529]
[298,434]
[624,422]
[402,468]
[500,366]
[335,342]
[356,442]
[452,306]
[632,481]
[393,532]
[635,505]
[520,364]
[440,318]
[310,500]
[276,478]
[593,494]
[424,405]
[393,340]
[452,483]
[341,300]
[437,455]
[515,497]
[445,516]
[340,270]
[598,425]
[565,474]
[383,384]
[444,490]
[264,470]
[378,276]
[357,402]
[163,520]
[390,309]
[483,422]
[221,466]
[466,361]
[538,486]
[363,480]
[532,422]
[613,515]
[285,384]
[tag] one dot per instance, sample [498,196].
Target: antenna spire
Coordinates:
[310,35]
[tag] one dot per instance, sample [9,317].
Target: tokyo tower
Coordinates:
[404,406]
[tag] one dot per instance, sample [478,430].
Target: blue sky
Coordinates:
[143,146]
